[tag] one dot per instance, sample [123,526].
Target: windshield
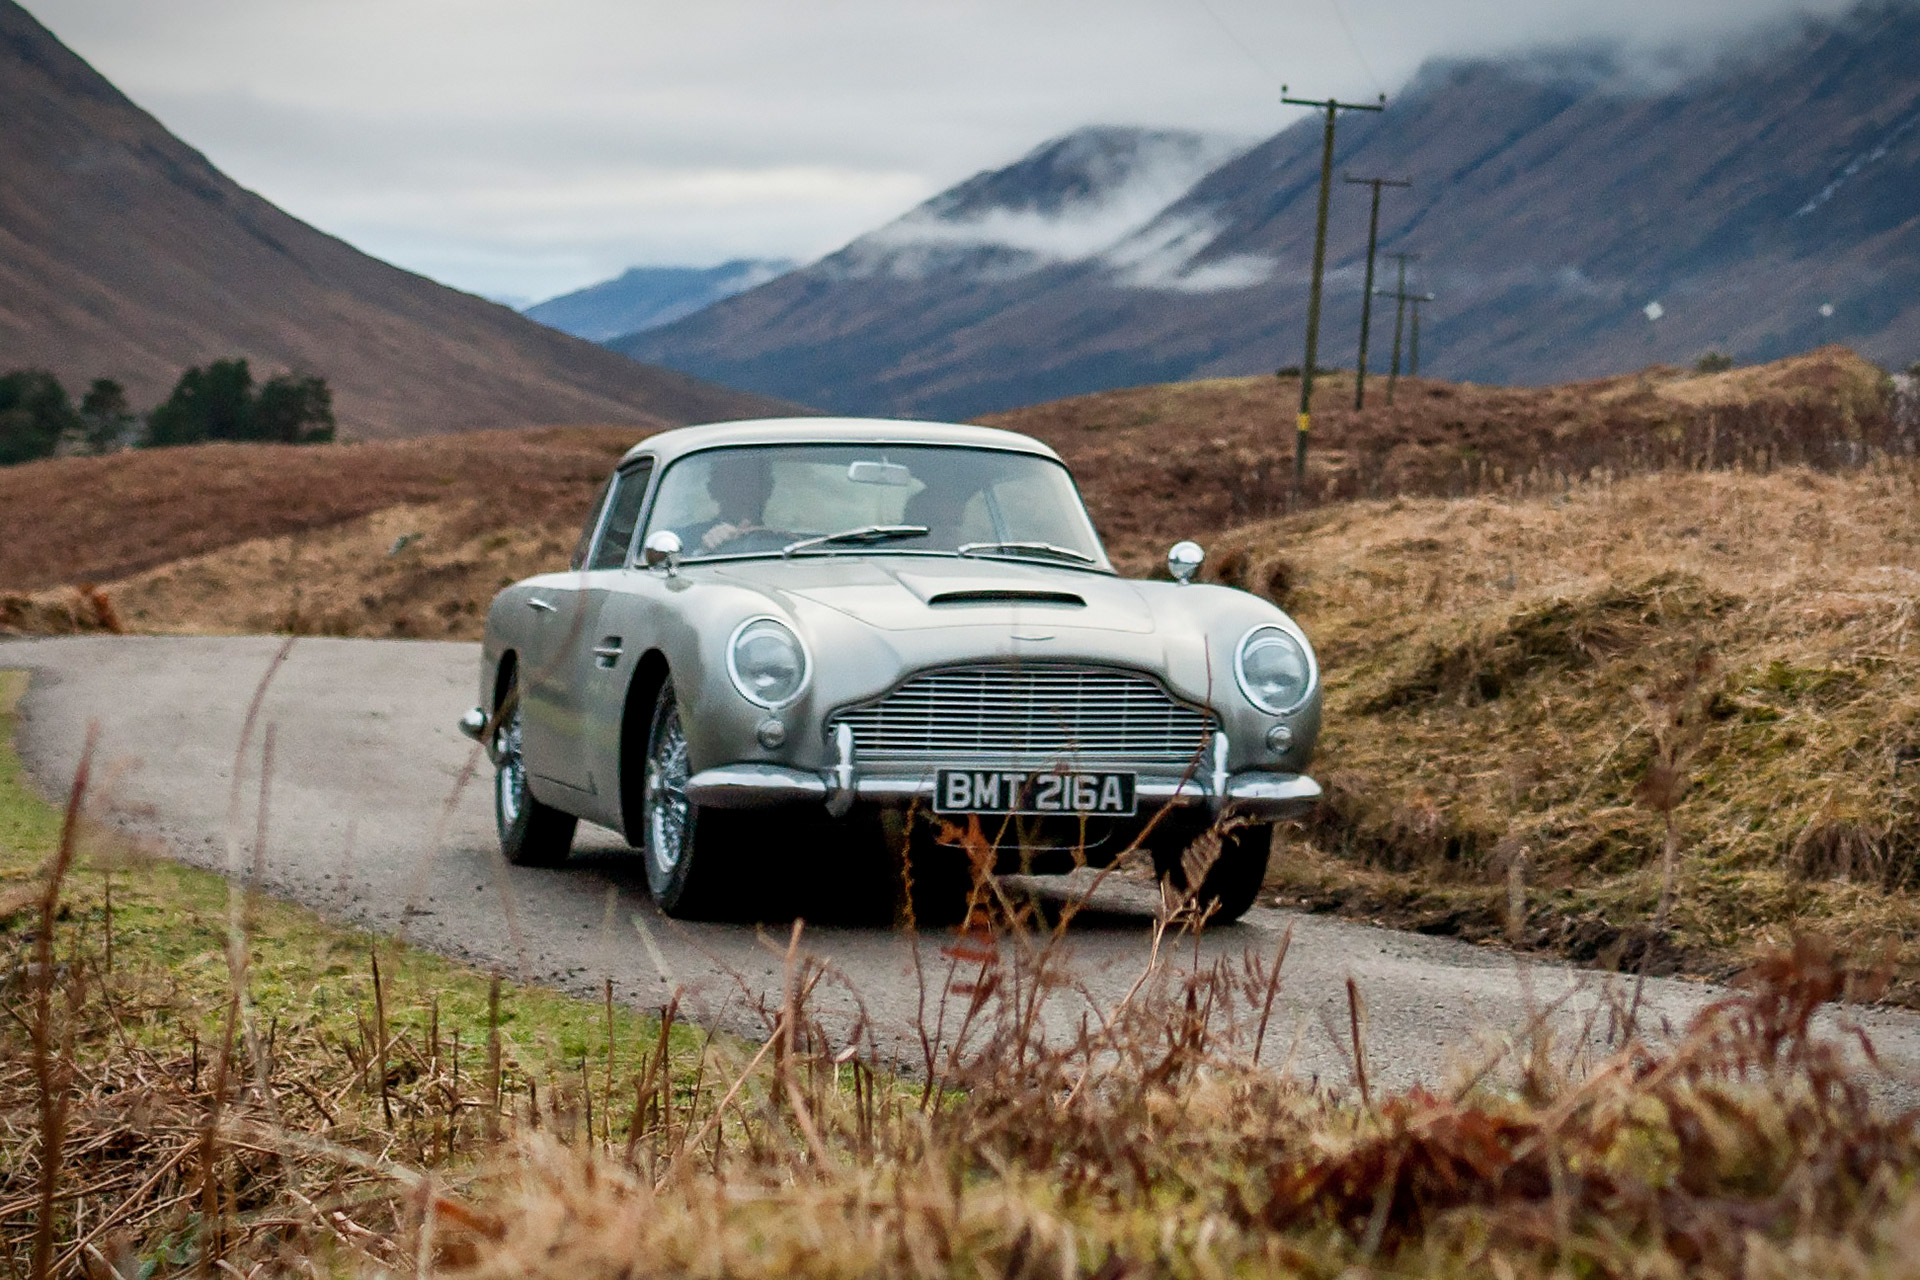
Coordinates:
[864,499]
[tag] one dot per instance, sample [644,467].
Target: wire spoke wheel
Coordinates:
[510,770]
[532,834]
[669,814]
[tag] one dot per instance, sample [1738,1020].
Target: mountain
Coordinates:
[643,298]
[125,254]
[1555,197]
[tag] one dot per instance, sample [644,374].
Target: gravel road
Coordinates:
[365,825]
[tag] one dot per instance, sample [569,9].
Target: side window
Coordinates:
[579,559]
[623,516]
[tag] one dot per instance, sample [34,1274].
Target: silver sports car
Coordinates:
[884,657]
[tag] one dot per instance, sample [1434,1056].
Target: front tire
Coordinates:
[685,865]
[532,834]
[1230,885]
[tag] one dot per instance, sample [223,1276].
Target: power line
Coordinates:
[1332,107]
[1267,73]
[1354,45]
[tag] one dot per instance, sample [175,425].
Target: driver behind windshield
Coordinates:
[739,482]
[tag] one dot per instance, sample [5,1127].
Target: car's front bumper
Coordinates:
[759,786]
[1253,794]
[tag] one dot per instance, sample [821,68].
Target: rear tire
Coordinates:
[532,834]
[1231,885]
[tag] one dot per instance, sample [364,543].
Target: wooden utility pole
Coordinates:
[1332,107]
[1366,294]
[1413,362]
[1404,298]
[1399,318]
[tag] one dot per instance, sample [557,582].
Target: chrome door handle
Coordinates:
[607,652]
[538,605]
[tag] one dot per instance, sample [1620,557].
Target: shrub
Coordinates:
[294,409]
[1713,362]
[34,414]
[219,403]
[106,421]
[214,403]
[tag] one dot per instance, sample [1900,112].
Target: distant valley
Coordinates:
[643,298]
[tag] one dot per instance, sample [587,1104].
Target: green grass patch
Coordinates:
[304,972]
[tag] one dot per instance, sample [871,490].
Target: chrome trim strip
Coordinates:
[843,778]
[757,786]
[754,786]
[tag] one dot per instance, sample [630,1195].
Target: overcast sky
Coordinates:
[523,149]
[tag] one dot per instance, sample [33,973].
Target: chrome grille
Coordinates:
[1032,710]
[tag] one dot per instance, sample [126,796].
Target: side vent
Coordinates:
[1014,596]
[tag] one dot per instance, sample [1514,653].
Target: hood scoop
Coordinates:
[1008,595]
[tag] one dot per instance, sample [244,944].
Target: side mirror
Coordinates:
[1184,560]
[661,551]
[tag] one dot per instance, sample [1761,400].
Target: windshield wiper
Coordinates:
[1026,549]
[865,534]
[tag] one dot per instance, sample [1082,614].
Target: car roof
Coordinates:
[680,441]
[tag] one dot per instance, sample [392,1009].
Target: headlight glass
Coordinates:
[1274,670]
[767,663]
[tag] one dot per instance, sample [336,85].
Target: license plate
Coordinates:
[1011,791]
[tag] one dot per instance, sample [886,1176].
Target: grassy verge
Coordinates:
[1522,691]
[199,1099]
[178,998]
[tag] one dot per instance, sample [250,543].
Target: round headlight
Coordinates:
[1274,669]
[767,662]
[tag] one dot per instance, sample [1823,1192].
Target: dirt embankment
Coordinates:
[1517,688]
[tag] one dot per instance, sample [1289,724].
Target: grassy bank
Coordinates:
[242,1077]
[1521,692]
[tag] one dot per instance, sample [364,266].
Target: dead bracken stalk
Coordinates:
[52,1068]
[1677,716]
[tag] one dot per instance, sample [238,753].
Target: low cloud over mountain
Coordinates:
[1763,195]
[1068,200]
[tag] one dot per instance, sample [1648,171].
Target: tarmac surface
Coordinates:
[369,822]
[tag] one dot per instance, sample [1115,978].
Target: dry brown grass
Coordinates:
[1489,664]
[1148,1144]
[1163,462]
[1156,463]
[70,520]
